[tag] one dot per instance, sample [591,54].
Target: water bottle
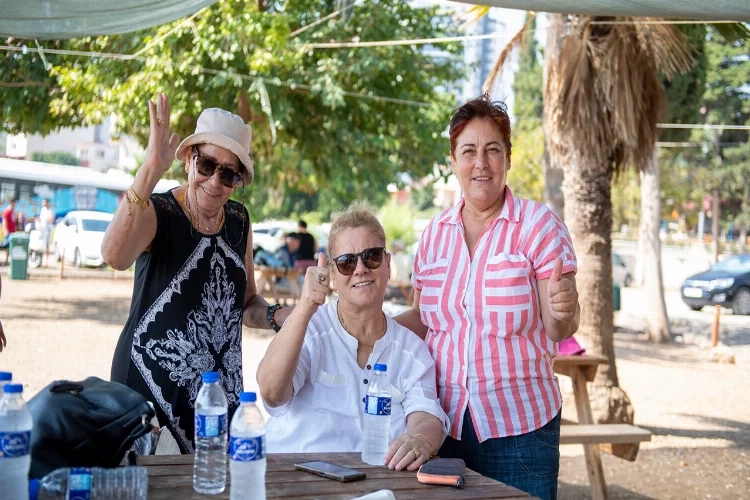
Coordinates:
[247,451]
[122,483]
[15,442]
[210,465]
[377,417]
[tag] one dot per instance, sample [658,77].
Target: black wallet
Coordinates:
[446,471]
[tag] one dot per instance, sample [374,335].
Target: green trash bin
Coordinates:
[19,256]
[616,295]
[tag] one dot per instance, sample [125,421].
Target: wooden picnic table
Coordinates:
[171,476]
[619,439]
[266,277]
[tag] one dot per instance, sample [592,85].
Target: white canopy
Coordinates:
[710,10]
[58,19]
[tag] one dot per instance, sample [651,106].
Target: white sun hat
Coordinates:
[226,130]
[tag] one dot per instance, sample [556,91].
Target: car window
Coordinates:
[735,264]
[95,225]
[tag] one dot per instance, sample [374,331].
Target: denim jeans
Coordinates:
[529,462]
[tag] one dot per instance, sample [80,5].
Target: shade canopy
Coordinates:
[60,19]
[709,10]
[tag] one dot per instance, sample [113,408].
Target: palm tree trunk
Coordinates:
[588,210]
[553,172]
[656,314]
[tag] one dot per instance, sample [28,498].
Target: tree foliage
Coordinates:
[58,157]
[330,147]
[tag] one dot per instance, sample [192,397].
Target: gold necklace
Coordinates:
[193,218]
[362,344]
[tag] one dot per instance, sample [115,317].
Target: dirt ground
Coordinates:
[698,411]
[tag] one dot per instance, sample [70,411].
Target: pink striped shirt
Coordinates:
[485,329]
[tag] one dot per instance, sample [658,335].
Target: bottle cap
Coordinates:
[248,397]
[13,388]
[210,377]
[5,376]
[381,367]
[33,489]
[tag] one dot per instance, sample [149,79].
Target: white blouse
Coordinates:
[326,413]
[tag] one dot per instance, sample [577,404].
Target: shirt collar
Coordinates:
[380,345]
[511,210]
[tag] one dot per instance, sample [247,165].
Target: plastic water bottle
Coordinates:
[247,451]
[122,483]
[15,442]
[211,426]
[377,417]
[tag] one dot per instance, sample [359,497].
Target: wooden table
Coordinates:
[171,477]
[619,439]
[265,280]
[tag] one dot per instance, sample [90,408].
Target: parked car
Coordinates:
[269,236]
[726,284]
[78,237]
[620,273]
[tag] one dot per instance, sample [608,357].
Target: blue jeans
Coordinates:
[529,462]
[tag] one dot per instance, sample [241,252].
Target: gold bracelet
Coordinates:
[432,449]
[135,199]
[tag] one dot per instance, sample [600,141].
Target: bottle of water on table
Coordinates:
[15,442]
[377,417]
[124,483]
[5,378]
[247,451]
[210,465]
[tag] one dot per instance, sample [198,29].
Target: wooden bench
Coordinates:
[621,440]
[265,280]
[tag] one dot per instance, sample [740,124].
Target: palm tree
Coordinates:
[605,92]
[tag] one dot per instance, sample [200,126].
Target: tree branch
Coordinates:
[21,84]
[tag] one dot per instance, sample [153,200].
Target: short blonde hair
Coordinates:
[358,214]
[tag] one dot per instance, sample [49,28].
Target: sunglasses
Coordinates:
[371,258]
[206,166]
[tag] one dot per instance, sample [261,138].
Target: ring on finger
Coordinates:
[321,278]
[160,122]
[416,453]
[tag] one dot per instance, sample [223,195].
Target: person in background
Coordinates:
[315,372]
[9,222]
[3,340]
[44,222]
[495,292]
[308,246]
[194,282]
[284,256]
[401,265]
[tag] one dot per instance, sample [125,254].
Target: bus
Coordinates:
[67,188]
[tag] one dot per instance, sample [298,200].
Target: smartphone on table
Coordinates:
[331,471]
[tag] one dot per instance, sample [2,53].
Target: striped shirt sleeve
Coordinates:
[548,239]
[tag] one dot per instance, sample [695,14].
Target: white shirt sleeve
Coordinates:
[420,390]
[299,379]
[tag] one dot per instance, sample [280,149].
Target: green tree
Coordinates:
[528,105]
[59,157]
[311,134]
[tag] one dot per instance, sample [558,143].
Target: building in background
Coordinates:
[94,147]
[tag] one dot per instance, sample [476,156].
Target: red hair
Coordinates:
[477,109]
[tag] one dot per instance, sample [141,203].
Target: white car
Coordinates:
[78,237]
[620,273]
[269,236]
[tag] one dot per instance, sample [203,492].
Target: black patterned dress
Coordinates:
[186,315]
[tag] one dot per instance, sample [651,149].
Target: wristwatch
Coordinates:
[271,310]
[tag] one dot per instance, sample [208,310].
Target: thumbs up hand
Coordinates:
[563,296]
[316,286]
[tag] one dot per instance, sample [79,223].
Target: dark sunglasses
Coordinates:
[371,258]
[206,166]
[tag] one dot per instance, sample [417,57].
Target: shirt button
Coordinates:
[365,381]
[369,367]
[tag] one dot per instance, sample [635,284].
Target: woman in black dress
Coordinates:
[194,286]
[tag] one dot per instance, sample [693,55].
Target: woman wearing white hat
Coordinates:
[193,252]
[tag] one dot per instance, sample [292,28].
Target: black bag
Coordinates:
[91,423]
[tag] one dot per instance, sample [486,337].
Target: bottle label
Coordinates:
[377,406]
[79,483]
[14,444]
[247,449]
[210,425]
